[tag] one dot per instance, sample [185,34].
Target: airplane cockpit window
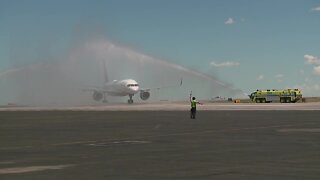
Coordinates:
[133,85]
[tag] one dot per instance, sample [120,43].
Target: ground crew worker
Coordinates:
[193,110]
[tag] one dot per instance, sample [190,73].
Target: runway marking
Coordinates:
[73,143]
[6,162]
[196,132]
[224,130]
[128,142]
[12,148]
[17,170]
[156,136]
[311,130]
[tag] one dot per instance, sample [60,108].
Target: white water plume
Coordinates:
[59,82]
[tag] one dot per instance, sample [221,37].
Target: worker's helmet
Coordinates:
[193,98]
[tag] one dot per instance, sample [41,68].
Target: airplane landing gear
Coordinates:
[130,101]
[104,99]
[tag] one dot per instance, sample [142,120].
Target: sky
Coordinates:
[251,44]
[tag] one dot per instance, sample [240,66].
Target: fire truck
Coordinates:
[282,96]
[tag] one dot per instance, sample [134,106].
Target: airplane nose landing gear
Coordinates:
[104,98]
[130,101]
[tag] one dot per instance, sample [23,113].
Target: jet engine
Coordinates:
[97,96]
[144,95]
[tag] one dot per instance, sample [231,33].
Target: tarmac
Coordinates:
[102,143]
[170,106]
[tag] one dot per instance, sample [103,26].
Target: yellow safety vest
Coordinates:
[193,103]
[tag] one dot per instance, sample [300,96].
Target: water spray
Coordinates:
[58,81]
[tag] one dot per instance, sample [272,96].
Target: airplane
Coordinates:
[126,87]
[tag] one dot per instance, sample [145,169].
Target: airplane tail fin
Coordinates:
[106,79]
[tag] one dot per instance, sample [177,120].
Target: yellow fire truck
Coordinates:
[283,96]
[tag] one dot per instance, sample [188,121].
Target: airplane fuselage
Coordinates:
[122,88]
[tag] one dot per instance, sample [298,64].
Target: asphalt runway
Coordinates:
[171,106]
[159,145]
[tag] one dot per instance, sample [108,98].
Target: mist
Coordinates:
[60,81]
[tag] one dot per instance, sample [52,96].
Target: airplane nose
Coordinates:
[134,89]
